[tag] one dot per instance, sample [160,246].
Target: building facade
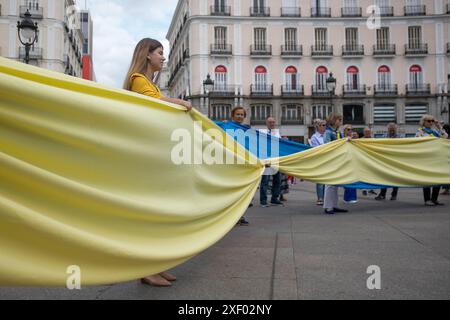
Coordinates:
[60,42]
[390,59]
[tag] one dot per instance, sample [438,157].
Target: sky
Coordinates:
[118,27]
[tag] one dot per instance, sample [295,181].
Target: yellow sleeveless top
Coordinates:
[140,84]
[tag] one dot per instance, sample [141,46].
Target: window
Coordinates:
[320,38]
[220,82]
[260,78]
[384,77]
[290,39]
[414,112]
[384,113]
[353,114]
[350,3]
[383,40]
[291,78]
[321,111]
[220,37]
[219,5]
[319,7]
[352,78]
[414,37]
[351,38]
[292,113]
[258,6]
[220,112]
[385,7]
[261,112]
[415,76]
[321,78]
[260,38]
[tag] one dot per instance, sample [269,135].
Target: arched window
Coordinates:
[260,78]
[321,78]
[415,76]
[384,77]
[291,77]
[220,81]
[352,78]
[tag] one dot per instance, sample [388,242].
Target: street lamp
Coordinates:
[331,87]
[208,86]
[28,33]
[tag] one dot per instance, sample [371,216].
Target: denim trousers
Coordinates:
[276,187]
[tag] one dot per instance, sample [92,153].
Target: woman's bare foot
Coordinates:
[168,276]
[156,281]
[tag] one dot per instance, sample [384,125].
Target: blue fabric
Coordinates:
[266,146]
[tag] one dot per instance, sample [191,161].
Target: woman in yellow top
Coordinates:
[148,58]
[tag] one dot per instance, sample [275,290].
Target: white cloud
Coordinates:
[118,27]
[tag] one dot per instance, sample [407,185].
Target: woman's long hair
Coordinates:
[139,63]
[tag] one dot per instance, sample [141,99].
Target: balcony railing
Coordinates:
[418,88]
[221,49]
[220,10]
[291,50]
[387,89]
[320,91]
[223,90]
[261,50]
[384,50]
[354,90]
[448,47]
[259,11]
[320,12]
[351,12]
[292,90]
[386,11]
[322,50]
[353,50]
[417,49]
[292,121]
[34,9]
[415,10]
[448,8]
[261,90]
[291,12]
[35,53]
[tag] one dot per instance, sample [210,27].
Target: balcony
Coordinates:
[351,12]
[384,50]
[322,51]
[320,91]
[416,49]
[291,12]
[353,51]
[186,54]
[354,90]
[322,12]
[259,11]
[386,11]
[448,47]
[448,8]
[291,51]
[220,10]
[261,90]
[34,9]
[415,89]
[223,90]
[386,90]
[415,10]
[292,91]
[221,49]
[261,50]
[35,53]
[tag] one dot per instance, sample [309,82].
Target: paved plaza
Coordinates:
[296,252]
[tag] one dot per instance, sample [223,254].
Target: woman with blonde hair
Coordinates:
[429,127]
[148,59]
[315,141]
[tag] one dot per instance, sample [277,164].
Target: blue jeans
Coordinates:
[276,187]
[320,190]
[350,194]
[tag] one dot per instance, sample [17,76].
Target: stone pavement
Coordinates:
[296,252]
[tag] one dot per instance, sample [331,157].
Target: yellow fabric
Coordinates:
[140,84]
[86,179]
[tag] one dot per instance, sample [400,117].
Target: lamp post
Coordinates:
[28,33]
[208,86]
[331,87]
